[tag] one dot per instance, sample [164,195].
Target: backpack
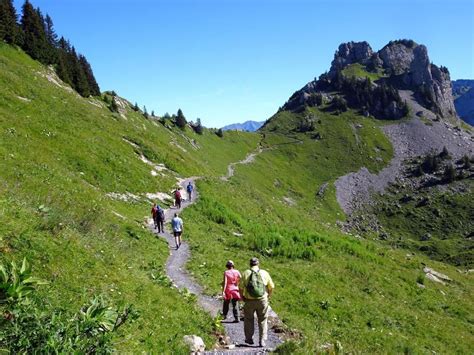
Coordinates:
[177,195]
[161,213]
[190,188]
[255,286]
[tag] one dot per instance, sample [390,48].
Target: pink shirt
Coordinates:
[231,291]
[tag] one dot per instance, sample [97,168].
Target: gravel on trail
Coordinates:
[176,271]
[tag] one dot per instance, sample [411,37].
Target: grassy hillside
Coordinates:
[74,180]
[66,164]
[331,287]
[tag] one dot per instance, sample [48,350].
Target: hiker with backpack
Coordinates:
[230,291]
[154,213]
[256,287]
[189,189]
[177,226]
[177,198]
[160,219]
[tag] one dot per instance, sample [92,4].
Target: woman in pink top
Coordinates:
[230,290]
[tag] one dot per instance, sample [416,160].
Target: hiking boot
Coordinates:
[262,343]
[236,321]
[249,341]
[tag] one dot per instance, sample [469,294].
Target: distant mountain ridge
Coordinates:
[249,126]
[463,92]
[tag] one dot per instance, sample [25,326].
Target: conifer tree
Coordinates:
[145,112]
[180,119]
[64,68]
[91,82]
[79,80]
[9,29]
[152,113]
[113,105]
[136,108]
[34,35]
[198,126]
[51,35]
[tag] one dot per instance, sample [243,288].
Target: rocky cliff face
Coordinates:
[410,65]
[349,53]
[405,66]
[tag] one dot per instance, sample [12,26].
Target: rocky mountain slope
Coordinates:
[463,92]
[249,126]
[433,150]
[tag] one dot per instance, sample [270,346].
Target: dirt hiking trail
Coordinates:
[176,271]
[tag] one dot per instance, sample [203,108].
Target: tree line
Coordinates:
[35,34]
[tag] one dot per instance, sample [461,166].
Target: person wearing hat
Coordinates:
[230,290]
[256,287]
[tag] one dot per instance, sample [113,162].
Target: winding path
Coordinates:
[176,271]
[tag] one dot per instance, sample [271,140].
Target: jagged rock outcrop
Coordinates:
[410,65]
[350,53]
[406,66]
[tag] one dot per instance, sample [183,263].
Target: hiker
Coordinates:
[160,219]
[154,213]
[189,189]
[177,225]
[177,198]
[230,290]
[256,287]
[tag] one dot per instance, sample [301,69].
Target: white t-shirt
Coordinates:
[177,224]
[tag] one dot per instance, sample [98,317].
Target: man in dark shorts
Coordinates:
[177,225]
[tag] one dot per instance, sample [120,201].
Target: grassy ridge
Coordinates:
[330,286]
[60,157]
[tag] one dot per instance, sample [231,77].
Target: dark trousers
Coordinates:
[159,225]
[235,308]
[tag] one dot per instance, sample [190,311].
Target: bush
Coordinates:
[28,325]
[445,153]
[449,174]
[220,133]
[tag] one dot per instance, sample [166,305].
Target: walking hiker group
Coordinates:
[158,214]
[254,288]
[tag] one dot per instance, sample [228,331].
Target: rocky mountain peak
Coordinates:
[400,65]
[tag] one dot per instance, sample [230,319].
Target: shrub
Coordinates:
[449,174]
[220,133]
[29,326]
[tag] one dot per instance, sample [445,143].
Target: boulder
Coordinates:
[195,343]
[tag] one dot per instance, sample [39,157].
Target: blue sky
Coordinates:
[229,61]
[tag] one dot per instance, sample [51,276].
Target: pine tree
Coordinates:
[51,35]
[94,89]
[145,112]
[79,80]
[152,113]
[64,67]
[220,132]
[52,40]
[9,29]
[198,126]
[35,42]
[136,108]
[180,119]
[113,105]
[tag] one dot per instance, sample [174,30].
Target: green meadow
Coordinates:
[74,179]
